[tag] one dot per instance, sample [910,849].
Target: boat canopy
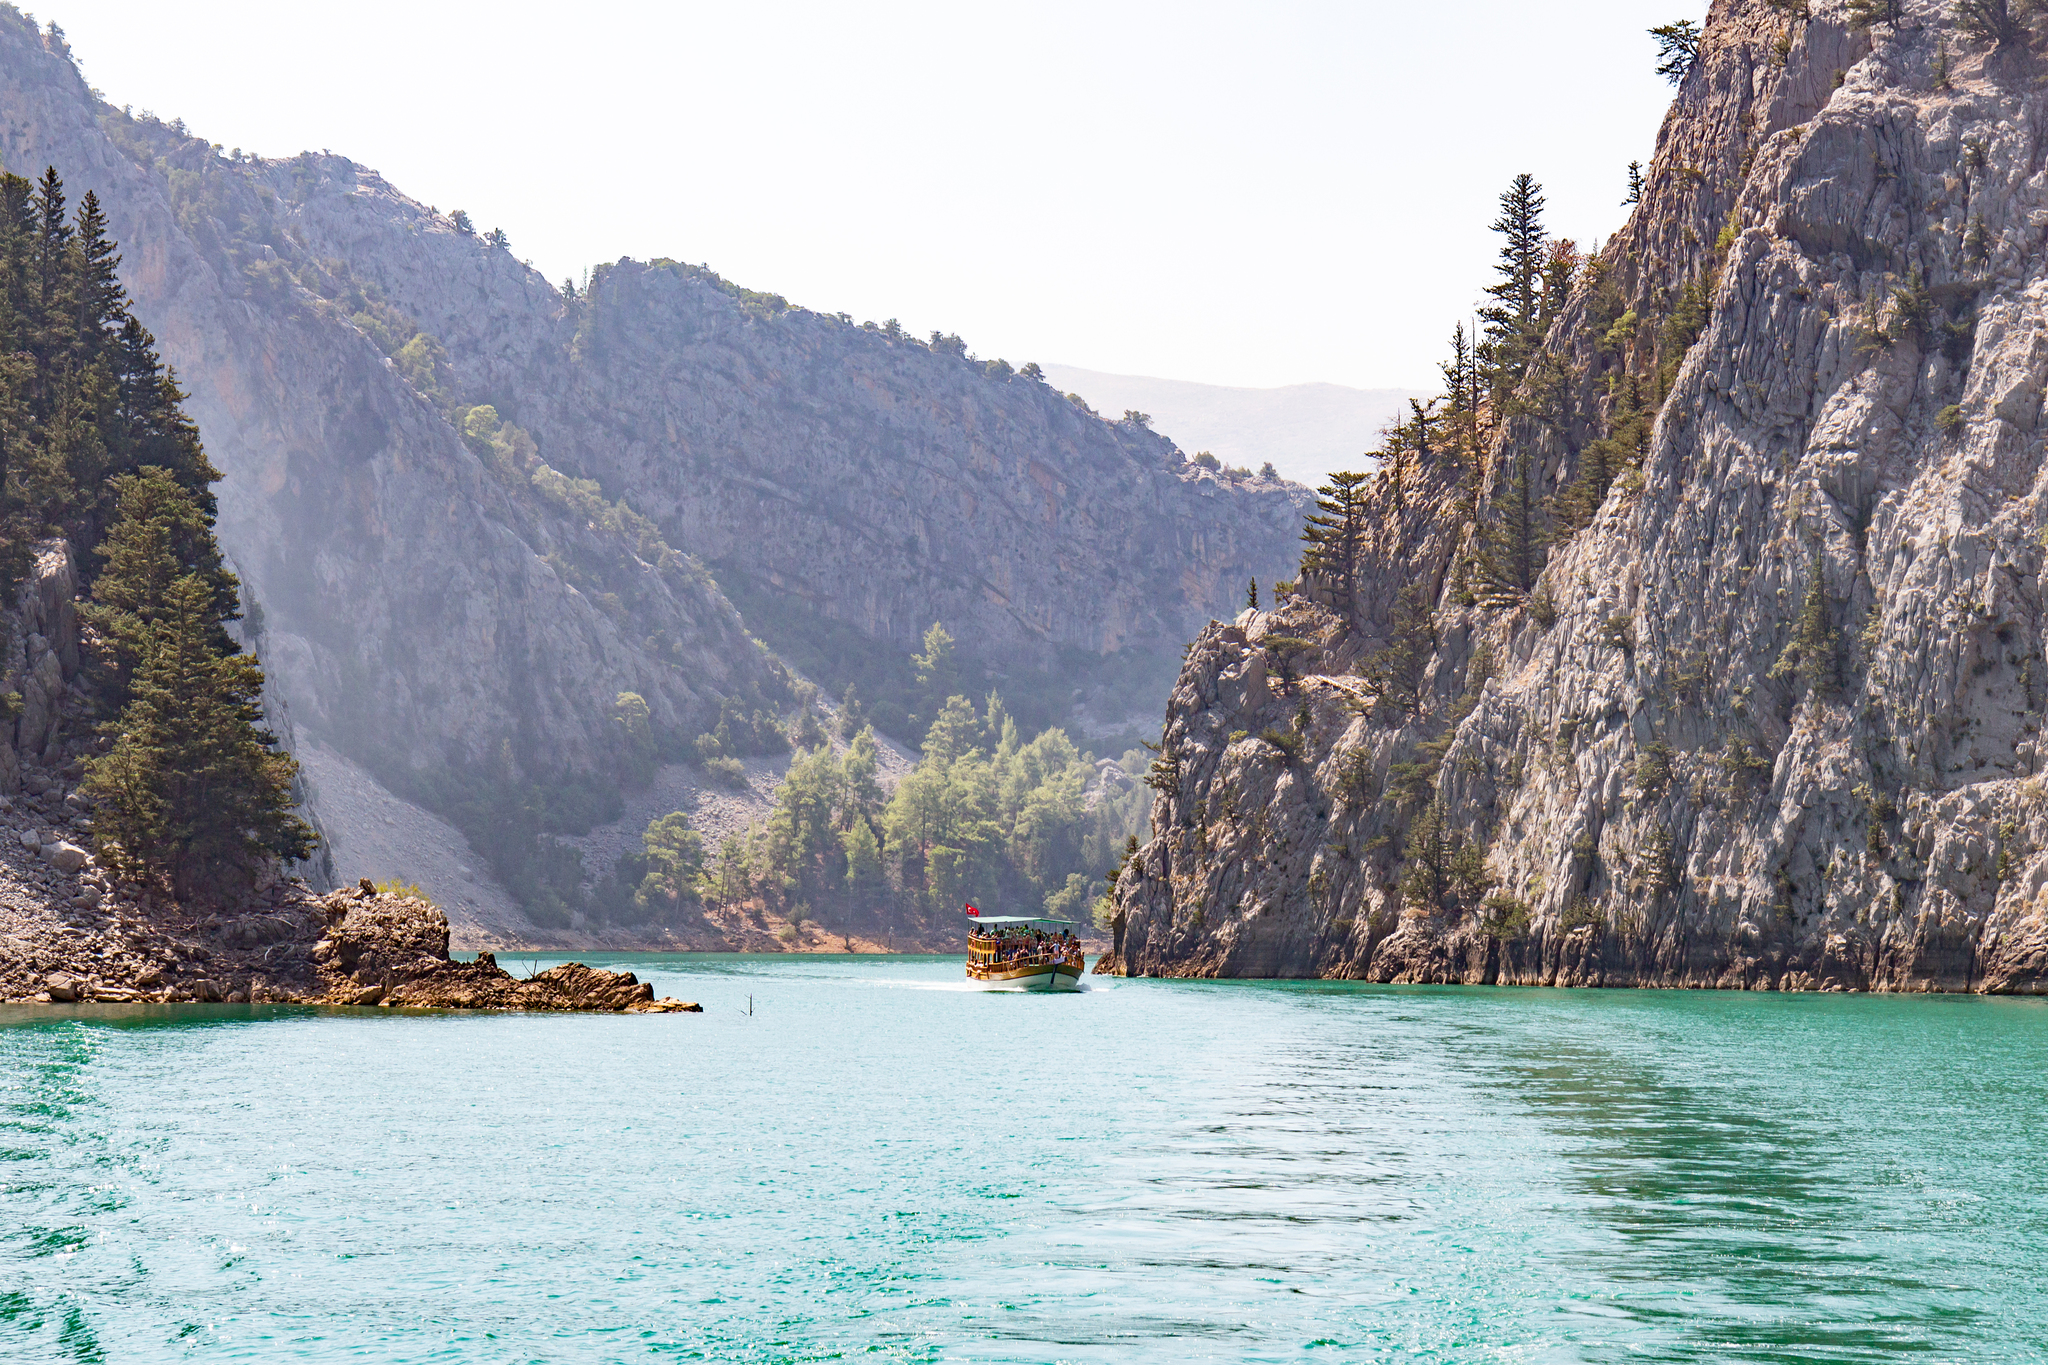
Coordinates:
[1018,919]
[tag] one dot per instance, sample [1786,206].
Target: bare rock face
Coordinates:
[1773,719]
[861,475]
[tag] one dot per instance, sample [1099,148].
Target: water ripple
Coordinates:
[875,1163]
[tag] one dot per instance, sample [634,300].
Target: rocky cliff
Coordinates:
[864,475]
[280,946]
[1772,719]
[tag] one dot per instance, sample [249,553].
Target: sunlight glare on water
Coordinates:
[879,1162]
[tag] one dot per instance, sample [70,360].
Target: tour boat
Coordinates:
[1023,953]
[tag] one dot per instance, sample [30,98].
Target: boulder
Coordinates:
[63,987]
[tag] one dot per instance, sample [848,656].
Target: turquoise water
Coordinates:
[878,1165]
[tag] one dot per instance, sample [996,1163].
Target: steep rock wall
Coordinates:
[1847,474]
[866,477]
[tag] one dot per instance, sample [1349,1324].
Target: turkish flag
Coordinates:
[972,911]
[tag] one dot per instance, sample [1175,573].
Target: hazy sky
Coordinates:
[1234,193]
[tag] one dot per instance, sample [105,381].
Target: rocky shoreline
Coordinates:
[69,934]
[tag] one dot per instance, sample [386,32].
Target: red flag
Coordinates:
[972,911]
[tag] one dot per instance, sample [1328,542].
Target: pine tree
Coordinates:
[1889,13]
[1426,869]
[1461,382]
[52,262]
[937,672]
[162,536]
[1689,317]
[95,443]
[1396,672]
[1335,534]
[17,238]
[853,717]
[1510,553]
[1512,320]
[1809,656]
[101,301]
[1251,594]
[1624,447]
[1678,47]
[1443,871]
[863,865]
[673,854]
[193,789]
[2005,22]
[1560,271]
[1635,185]
[1393,472]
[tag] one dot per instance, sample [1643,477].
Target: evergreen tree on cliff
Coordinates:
[1511,541]
[163,535]
[1513,320]
[1461,387]
[193,790]
[1335,533]
[84,398]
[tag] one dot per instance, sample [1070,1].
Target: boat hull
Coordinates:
[1059,976]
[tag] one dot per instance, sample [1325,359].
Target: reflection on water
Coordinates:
[1771,1169]
[877,1162]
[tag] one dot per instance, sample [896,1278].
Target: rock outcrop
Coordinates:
[282,946]
[1773,719]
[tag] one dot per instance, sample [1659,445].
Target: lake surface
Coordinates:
[880,1165]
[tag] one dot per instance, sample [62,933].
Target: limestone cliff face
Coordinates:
[1848,473]
[864,476]
[415,611]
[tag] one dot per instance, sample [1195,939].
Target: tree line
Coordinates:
[985,816]
[1505,398]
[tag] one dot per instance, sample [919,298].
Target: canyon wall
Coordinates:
[1772,719]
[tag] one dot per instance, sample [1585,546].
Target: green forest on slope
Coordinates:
[985,816]
[190,794]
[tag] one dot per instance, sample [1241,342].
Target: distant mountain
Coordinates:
[498,538]
[1306,430]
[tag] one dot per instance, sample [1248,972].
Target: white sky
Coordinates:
[1232,193]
